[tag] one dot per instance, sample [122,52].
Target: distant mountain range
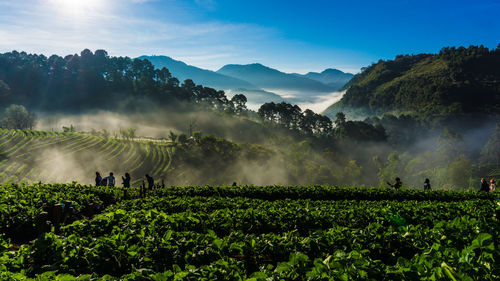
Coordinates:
[331,77]
[269,78]
[207,78]
[257,82]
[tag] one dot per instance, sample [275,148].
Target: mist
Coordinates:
[321,103]
[244,151]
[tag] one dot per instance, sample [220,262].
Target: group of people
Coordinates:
[106,181]
[110,180]
[488,187]
[427,184]
[398,184]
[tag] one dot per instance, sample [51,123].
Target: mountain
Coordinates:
[331,77]
[259,83]
[455,82]
[271,79]
[208,78]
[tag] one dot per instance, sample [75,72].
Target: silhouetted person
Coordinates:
[492,185]
[104,182]
[234,183]
[397,184]
[126,180]
[98,179]
[151,181]
[484,185]
[111,179]
[427,184]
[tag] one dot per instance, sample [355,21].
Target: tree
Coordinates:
[70,129]
[450,144]
[239,102]
[339,119]
[172,136]
[17,117]
[491,151]
[390,169]
[127,133]
[4,89]
[352,172]
[460,172]
[105,133]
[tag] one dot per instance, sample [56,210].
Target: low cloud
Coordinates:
[321,103]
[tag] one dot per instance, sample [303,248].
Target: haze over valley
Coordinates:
[261,84]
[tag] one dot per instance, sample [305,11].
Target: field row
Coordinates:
[212,236]
[30,156]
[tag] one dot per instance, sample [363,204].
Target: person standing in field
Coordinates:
[151,181]
[484,185]
[126,185]
[98,179]
[111,180]
[492,185]
[126,180]
[427,184]
[397,184]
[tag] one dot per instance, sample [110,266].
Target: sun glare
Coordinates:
[78,7]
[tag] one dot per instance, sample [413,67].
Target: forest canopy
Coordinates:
[94,80]
[456,82]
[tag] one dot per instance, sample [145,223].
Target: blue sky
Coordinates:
[293,36]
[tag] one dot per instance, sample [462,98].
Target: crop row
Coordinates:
[34,151]
[323,192]
[261,233]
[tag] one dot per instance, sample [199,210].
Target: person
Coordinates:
[104,182]
[126,180]
[98,179]
[492,185]
[427,184]
[111,179]
[397,184]
[151,181]
[484,185]
[234,183]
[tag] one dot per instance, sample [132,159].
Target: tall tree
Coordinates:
[17,117]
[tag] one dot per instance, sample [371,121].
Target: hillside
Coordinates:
[200,76]
[96,81]
[208,78]
[31,156]
[454,82]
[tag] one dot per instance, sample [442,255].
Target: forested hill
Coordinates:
[457,81]
[96,81]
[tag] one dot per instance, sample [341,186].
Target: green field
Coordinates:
[33,156]
[247,233]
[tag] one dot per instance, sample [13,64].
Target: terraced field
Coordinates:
[32,156]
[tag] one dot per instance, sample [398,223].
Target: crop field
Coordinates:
[75,232]
[32,156]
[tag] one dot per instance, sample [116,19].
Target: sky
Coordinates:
[292,36]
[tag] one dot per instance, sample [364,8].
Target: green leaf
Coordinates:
[450,272]
[218,243]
